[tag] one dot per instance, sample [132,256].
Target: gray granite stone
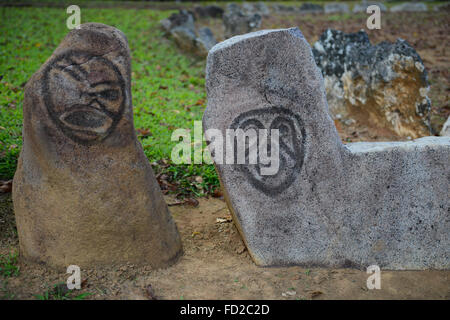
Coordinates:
[384,85]
[311,8]
[336,7]
[410,7]
[362,7]
[329,204]
[281,8]
[205,41]
[181,27]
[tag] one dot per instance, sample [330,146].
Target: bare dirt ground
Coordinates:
[216,265]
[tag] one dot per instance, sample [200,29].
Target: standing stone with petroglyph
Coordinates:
[84,193]
[328,204]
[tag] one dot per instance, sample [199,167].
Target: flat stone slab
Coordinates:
[329,204]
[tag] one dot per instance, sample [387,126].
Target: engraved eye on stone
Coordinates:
[111,94]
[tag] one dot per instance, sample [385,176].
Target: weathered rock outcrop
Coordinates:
[182,28]
[84,193]
[383,85]
[311,8]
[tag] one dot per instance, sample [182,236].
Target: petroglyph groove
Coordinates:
[292,147]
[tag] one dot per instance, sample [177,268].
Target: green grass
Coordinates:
[167,86]
[60,292]
[8,265]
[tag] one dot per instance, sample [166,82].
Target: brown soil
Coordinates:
[216,265]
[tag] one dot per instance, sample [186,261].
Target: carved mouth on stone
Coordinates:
[86,118]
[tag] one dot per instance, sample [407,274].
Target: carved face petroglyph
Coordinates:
[84,96]
[291,147]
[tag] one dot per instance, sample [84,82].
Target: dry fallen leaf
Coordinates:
[200,102]
[144,132]
[223,220]
[217,193]
[6,186]
[316,294]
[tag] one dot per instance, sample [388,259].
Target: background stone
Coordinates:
[182,29]
[311,8]
[336,7]
[382,85]
[446,128]
[238,21]
[410,7]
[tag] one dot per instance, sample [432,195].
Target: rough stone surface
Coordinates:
[84,192]
[181,27]
[183,19]
[410,7]
[281,8]
[336,7]
[237,21]
[311,8]
[381,86]
[185,38]
[362,7]
[205,41]
[210,11]
[329,204]
[446,128]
